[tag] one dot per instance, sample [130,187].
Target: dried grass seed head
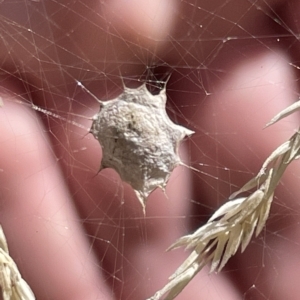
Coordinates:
[235,222]
[12,285]
[138,139]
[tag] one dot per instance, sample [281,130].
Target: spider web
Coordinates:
[233,66]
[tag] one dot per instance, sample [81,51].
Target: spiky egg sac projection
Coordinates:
[138,139]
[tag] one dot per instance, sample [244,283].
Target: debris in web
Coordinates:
[233,224]
[13,286]
[138,139]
